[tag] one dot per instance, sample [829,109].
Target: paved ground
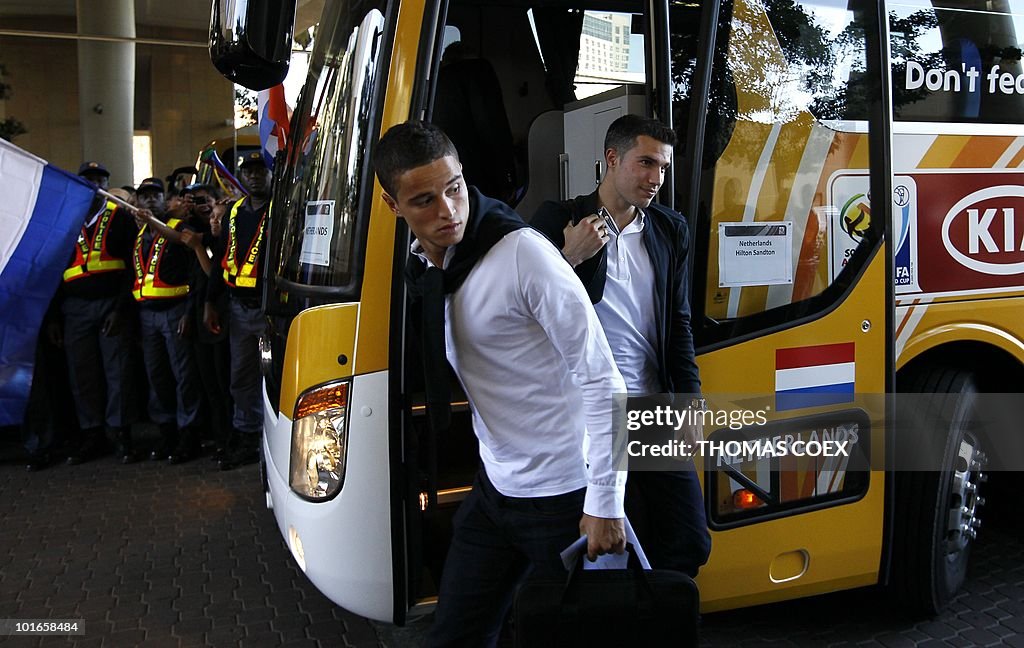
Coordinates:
[158,555]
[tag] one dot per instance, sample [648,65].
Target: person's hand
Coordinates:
[217,215]
[55,333]
[192,239]
[143,217]
[211,318]
[604,535]
[177,207]
[112,324]
[185,326]
[693,431]
[584,239]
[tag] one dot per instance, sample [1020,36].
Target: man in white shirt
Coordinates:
[536,366]
[631,256]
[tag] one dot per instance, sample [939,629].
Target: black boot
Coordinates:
[168,441]
[246,451]
[225,445]
[125,448]
[38,461]
[93,444]
[187,448]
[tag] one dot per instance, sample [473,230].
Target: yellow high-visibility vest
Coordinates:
[244,277]
[149,283]
[91,255]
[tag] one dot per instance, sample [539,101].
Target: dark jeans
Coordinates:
[496,543]
[666,509]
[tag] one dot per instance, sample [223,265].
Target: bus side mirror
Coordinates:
[251,40]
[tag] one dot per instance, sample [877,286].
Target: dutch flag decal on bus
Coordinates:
[814,375]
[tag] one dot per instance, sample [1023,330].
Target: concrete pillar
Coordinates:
[106,85]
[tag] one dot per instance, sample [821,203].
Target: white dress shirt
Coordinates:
[626,310]
[530,353]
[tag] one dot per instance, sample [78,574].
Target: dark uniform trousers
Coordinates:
[247,324]
[174,394]
[99,366]
[50,419]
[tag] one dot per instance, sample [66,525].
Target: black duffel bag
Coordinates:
[607,607]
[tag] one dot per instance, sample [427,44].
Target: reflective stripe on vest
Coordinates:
[246,277]
[148,284]
[91,257]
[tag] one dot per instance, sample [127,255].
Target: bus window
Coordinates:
[322,217]
[957,64]
[611,53]
[784,88]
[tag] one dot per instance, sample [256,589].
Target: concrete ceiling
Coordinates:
[187,14]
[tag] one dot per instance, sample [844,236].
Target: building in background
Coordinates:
[176,100]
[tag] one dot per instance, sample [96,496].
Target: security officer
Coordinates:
[240,249]
[162,270]
[97,322]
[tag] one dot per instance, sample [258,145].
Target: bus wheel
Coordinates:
[937,512]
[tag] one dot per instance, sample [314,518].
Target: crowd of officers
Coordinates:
[162,289]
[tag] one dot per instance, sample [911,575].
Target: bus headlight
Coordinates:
[320,441]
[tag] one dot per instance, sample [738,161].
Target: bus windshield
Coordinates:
[321,200]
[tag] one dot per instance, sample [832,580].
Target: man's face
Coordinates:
[434,201]
[638,173]
[97,180]
[256,179]
[151,199]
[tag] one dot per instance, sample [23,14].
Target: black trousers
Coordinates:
[666,509]
[497,542]
[50,418]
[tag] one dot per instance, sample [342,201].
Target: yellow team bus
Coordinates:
[850,172]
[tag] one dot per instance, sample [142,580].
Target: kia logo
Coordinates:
[991,229]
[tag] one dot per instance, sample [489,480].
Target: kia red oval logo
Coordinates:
[984,231]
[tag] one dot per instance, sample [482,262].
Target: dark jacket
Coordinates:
[667,240]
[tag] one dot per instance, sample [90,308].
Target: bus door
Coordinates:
[525,90]
[791,298]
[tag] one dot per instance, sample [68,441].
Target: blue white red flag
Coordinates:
[814,375]
[273,116]
[41,214]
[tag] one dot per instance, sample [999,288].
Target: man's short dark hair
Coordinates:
[407,146]
[623,132]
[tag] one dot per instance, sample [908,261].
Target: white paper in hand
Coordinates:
[605,561]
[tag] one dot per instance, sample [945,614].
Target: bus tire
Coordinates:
[935,521]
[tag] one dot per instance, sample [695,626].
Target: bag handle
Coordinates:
[645,591]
